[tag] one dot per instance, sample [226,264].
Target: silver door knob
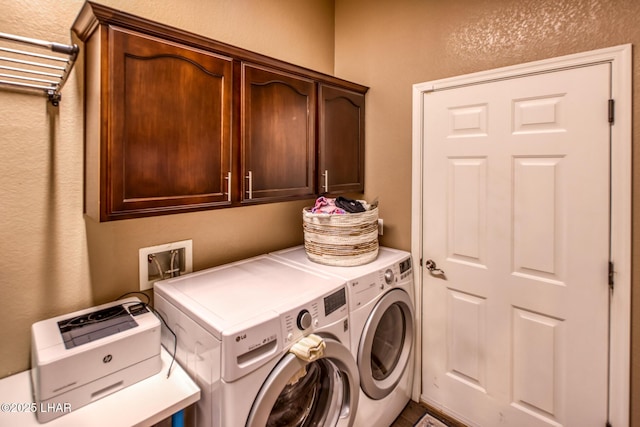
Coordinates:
[433,268]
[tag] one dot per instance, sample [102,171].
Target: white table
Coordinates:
[142,404]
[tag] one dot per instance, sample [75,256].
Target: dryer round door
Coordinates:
[385,344]
[300,393]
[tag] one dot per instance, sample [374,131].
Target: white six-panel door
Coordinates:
[515,193]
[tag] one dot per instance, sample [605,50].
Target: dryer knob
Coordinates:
[304,320]
[389,276]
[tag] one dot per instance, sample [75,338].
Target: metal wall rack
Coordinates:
[33,70]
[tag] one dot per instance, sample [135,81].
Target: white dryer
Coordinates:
[235,325]
[382,329]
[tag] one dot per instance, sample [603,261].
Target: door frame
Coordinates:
[619,57]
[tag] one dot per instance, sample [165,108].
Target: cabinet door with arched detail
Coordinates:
[341,140]
[166,143]
[278,113]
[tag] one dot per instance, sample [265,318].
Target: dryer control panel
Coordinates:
[405,268]
[368,287]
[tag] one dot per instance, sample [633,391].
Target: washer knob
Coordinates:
[304,320]
[389,276]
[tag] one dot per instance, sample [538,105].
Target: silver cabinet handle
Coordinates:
[326,180]
[433,268]
[250,178]
[228,178]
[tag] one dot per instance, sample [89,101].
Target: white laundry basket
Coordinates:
[341,240]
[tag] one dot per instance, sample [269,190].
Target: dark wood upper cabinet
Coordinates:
[168,142]
[341,140]
[176,122]
[278,134]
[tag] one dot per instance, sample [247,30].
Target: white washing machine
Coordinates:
[235,325]
[382,329]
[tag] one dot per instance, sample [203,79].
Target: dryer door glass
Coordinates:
[388,342]
[385,345]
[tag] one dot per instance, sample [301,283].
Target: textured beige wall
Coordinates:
[52,259]
[389,46]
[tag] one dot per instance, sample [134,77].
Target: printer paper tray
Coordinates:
[80,396]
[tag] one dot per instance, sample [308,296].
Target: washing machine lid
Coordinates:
[246,292]
[386,257]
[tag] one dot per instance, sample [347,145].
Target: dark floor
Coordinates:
[410,415]
[414,411]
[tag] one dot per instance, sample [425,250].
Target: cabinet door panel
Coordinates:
[170,145]
[278,135]
[341,134]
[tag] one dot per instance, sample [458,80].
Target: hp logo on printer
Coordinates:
[107,358]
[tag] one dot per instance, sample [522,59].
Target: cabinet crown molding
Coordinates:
[93,14]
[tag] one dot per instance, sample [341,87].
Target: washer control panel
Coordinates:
[304,320]
[316,314]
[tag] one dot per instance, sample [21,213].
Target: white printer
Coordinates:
[80,357]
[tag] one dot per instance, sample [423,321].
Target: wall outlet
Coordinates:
[164,261]
[380,226]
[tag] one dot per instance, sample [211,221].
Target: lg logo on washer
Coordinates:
[241,337]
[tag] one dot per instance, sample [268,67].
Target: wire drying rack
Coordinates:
[30,69]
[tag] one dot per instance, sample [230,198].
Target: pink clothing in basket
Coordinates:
[327,205]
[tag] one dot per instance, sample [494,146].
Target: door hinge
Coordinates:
[611,271]
[611,110]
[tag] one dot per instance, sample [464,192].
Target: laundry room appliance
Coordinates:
[382,329]
[236,326]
